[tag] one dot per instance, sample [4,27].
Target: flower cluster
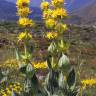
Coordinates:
[24,36]
[53,14]
[23,12]
[40,65]
[16,87]
[10,64]
[22,3]
[51,35]
[57,2]
[25,22]
[50,23]
[45,5]
[59,13]
[47,14]
[55,11]
[88,82]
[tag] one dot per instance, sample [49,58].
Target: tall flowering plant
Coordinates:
[25,22]
[26,67]
[59,81]
[53,15]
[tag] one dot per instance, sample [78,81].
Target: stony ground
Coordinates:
[82,51]
[82,39]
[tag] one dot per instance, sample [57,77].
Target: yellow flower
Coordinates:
[17,83]
[21,36]
[16,87]
[8,91]
[2,92]
[10,86]
[10,64]
[23,11]
[24,35]
[63,45]
[44,5]
[26,22]
[64,27]
[88,82]
[52,35]
[4,95]
[61,28]
[57,2]
[40,65]
[50,23]
[59,13]
[47,13]
[22,3]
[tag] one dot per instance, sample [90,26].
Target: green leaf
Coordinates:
[29,68]
[49,63]
[23,68]
[26,57]
[61,80]
[34,81]
[71,78]
[1,75]
[17,54]
[30,71]
[52,48]
[63,61]
[13,94]
[27,85]
[4,79]
[51,82]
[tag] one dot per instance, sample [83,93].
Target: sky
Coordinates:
[34,2]
[37,2]
[71,4]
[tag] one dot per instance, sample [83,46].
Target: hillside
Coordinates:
[85,15]
[8,11]
[81,15]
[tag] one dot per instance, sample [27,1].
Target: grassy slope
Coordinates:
[82,40]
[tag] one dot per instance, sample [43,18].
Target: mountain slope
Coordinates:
[86,14]
[73,5]
[8,11]
[81,15]
[70,4]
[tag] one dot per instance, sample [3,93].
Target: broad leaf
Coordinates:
[71,78]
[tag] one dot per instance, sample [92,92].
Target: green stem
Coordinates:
[81,91]
[26,42]
[25,49]
[52,62]
[61,41]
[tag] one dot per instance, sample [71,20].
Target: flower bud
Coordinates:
[63,61]
[52,48]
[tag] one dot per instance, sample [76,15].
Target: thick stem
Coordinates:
[25,49]
[52,62]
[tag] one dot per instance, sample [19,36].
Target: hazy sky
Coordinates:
[37,2]
[34,2]
[71,4]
